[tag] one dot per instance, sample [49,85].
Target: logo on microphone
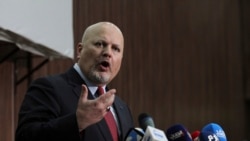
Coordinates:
[176,135]
[220,133]
[157,134]
[212,138]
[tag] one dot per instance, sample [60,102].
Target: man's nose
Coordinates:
[107,51]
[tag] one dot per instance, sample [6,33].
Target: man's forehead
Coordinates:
[104,34]
[100,28]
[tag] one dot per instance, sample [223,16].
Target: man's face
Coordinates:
[100,54]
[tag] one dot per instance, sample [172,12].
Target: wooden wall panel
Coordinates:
[245,4]
[245,20]
[6,102]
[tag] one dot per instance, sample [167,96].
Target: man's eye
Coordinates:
[117,49]
[99,44]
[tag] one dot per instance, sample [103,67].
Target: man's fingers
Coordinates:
[102,102]
[108,98]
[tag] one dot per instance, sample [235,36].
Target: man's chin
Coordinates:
[101,77]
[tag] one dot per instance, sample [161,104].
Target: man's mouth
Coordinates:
[104,65]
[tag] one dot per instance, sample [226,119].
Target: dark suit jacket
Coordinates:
[48,112]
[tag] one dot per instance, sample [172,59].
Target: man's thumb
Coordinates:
[84,93]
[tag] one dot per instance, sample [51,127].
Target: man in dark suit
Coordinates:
[65,107]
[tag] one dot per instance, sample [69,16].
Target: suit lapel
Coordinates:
[75,80]
[119,109]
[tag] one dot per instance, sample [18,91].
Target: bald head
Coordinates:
[99,27]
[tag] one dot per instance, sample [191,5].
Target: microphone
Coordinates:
[195,135]
[207,136]
[153,134]
[134,134]
[178,133]
[216,129]
[145,120]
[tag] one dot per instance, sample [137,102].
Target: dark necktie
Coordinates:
[110,120]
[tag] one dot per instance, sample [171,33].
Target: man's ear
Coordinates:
[79,49]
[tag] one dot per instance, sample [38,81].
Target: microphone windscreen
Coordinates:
[195,135]
[208,136]
[216,129]
[145,120]
[134,134]
[154,134]
[178,133]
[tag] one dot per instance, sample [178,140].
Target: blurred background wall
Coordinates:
[185,61]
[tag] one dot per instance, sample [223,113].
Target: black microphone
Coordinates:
[178,132]
[145,120]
